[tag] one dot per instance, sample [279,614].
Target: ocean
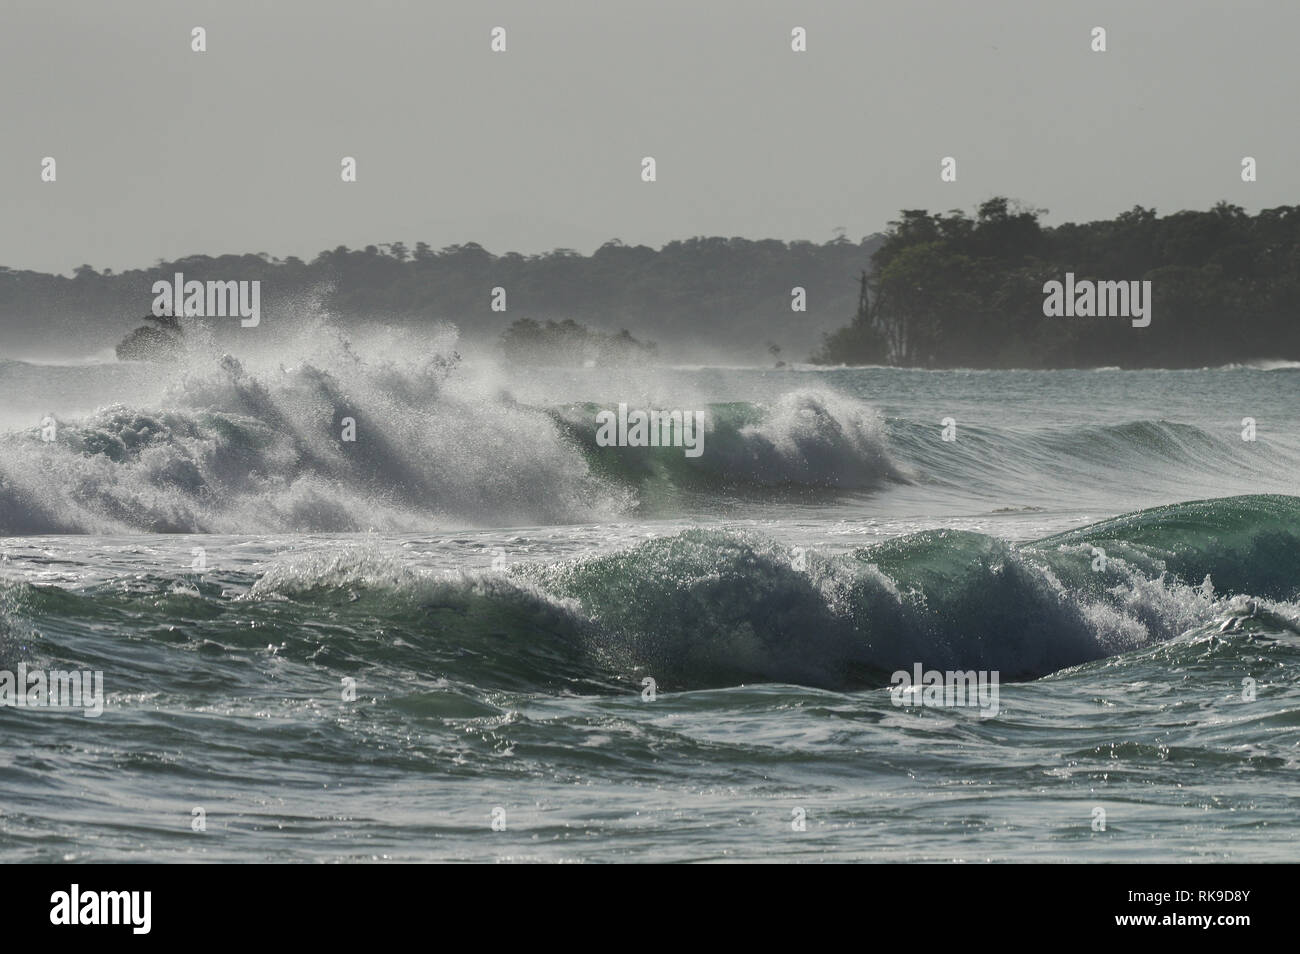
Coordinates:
[475,634]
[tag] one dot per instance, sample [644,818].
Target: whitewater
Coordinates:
[477,633]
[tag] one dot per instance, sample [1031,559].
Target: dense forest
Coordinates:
[948,290]
[936,290]
[703,299]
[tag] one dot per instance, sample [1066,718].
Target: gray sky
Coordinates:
[163,152]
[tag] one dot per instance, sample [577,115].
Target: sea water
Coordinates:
[474,633]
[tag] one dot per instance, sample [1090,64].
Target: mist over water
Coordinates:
[349,510]
[254,441]
[500,586]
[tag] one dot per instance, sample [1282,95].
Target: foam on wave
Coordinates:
[709,608]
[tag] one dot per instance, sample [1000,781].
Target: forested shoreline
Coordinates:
[951,290]
[702,299]
[935,290]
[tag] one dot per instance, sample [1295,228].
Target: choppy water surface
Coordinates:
[499,588]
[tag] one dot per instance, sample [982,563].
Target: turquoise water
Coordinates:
[498,589]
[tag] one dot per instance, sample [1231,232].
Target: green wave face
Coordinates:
[809,444]
[713,608]
[1248,544]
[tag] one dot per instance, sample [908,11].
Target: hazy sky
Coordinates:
[163,152]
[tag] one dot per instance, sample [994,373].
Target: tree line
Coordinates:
[935,290]
[951,290]
[700,298]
